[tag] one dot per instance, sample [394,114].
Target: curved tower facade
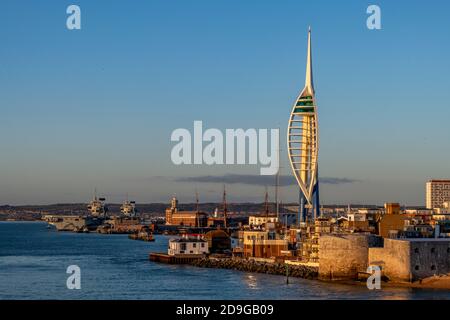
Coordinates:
[303,144]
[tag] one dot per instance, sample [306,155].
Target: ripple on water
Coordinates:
[114,267]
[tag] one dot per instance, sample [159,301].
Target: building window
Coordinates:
[433,267]
[416,250]
[448,250]
[194,245]
[433,250]
[416,268]
[183,246]
[203,245]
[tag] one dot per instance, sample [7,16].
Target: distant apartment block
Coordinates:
[437,192]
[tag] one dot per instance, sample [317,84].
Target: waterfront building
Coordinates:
[263,244]
[185,218]
[303,144]
[437,192]
[219,241]
[310,235]
[237,243]
[187,246]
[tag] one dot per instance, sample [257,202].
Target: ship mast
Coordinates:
[266,203]
[224,207]
[197,214]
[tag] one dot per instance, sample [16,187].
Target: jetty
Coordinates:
[174,259]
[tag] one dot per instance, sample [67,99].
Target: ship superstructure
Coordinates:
[128,208]
[97,207]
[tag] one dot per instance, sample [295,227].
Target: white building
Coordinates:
[187,246]
[360,217]
[437,192]
[259,220]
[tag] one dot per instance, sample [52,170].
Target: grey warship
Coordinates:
[81,223]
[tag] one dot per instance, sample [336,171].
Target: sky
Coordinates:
[95,108]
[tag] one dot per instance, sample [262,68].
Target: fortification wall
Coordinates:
[406,260]
[394,259]
[343,256]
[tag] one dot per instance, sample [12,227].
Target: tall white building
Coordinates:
[437,192]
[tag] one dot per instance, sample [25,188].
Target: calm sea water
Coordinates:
[33,262]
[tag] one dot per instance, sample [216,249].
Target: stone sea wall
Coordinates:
[306,272]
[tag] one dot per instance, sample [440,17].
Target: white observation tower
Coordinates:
[303,144]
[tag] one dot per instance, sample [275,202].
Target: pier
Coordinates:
[174,259]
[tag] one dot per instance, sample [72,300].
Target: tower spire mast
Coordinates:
[309,83]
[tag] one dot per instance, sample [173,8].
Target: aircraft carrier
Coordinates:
[81,223]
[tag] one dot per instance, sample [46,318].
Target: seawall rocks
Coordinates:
[306,272]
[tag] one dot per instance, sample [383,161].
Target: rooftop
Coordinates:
[424,239]
[187,240]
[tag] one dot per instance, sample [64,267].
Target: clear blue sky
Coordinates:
[96,107]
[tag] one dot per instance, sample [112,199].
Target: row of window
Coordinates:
[417,268]
[194,245]
[254,238]
[433,250]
